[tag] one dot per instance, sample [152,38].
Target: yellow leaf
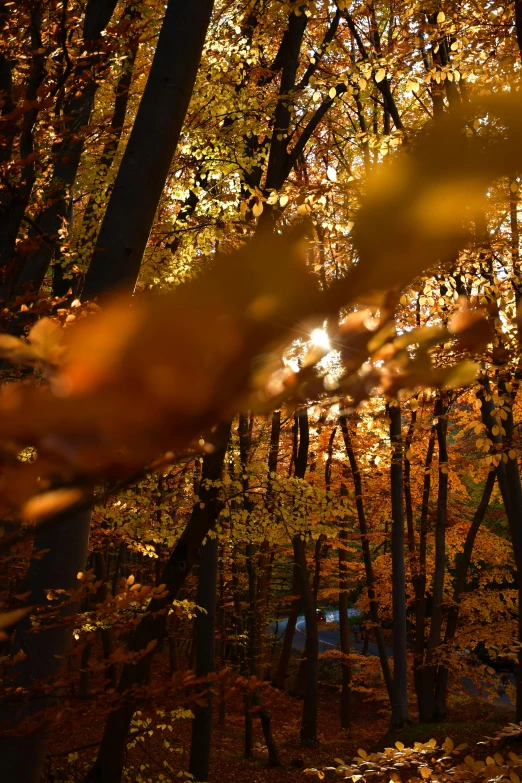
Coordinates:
[16,351]
[399,745]
[331,174]
[50,503]
[425,772]
[379,76]
[46,338]
[257,209]
[332,92]
[283,200]
[441,17]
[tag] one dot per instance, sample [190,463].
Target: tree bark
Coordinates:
[78,110]
[109,763]
[460,586]
[22,758]
[153,140]
[367,558]
[430,711]
[205,631]
[400,712]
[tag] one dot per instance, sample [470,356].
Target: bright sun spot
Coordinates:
[320,338]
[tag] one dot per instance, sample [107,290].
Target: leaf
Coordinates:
[332,92]
[380,75]
[46,337]
[257,209]
[16,351]
[331,173]
[41,507]
[425,772]
[399,745]
[283,200]
[402,198]
[441,17]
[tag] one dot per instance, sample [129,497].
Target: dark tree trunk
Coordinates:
[110,148]
[367,558]
[400,712]
[279,678]
[78,109]
[430,711]
[461,578]
[13,211]
[22,758]
[309,717]
[109,764]
[419,577]
[205,631]
[508,477]
[145,165]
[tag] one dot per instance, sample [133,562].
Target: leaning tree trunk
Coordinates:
[400,712]
[153,140]
[111,755]
[461,578]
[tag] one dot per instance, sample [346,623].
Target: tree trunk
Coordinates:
[441,686]
[153,140]
[400,712]
[109,763]
[367,558]
[430,711]
[22,758]
[279,678]
[419,578]
[78,110]
[205,632]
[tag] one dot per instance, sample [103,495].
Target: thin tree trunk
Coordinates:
[344,627]
[430,711]
[205,631]
[367,558]
[279,678]
[419,578]
[78,110]
[400,712]
[461,578]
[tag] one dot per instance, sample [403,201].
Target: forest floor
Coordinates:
[470,720]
